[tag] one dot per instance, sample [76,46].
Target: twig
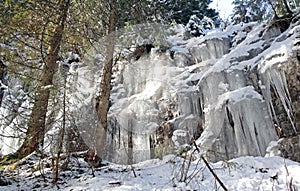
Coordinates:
[209,168]
[195,172]
[214,174]
[291,185]
[188,166]
[287,171]
[134,174]
[182,169]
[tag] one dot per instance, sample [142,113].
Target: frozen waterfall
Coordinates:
[218,90]
[225,91]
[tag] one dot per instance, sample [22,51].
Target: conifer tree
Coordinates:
[181,10]
[36,126]
[258,10]
[248,11]
[105,86]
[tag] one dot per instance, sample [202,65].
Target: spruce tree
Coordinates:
[250,10]
[258,10]
[181,11]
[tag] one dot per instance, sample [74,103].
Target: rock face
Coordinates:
[290,148]
[225,90]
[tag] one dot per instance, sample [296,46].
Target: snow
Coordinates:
[238,95]
[277,55]
[243,173]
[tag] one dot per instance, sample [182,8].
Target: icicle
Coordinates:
[278,81]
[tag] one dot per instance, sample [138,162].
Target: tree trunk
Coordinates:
[36,125]
[105,85]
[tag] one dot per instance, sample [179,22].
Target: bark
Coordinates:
[36,125]
[105,85]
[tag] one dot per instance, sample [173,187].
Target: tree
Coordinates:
[248,11]
[30,28]
[33,26]
[105,86]
[181,10]
[256,10]
[21,54]
[197,27]
[36,126]
[280,7]
[130,12]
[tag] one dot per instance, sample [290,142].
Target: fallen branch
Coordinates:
[214,174]
[209,168]
[133,171]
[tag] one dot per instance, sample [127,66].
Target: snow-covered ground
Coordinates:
[244,173]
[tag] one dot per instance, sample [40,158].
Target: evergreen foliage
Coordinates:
[133,12]
[197,27]
[181,10]
[250,10]
[257,10]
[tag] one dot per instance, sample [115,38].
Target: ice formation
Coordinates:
[217,90]
[13,111]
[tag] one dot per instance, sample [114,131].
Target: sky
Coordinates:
[223,6]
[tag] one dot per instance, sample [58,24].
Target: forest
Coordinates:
[149,95]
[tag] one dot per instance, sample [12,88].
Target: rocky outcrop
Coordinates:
[246,92]
[226,91]
[290,148]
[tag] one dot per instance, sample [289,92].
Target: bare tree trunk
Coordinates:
[36,126]
[105,85]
